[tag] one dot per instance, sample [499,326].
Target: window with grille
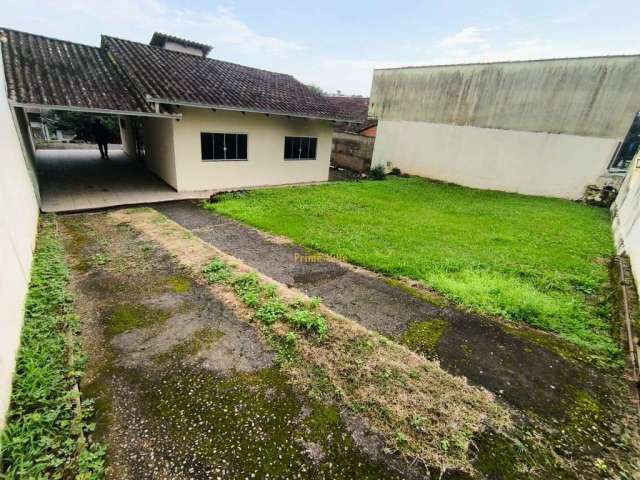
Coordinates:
[223,146]
[300,148]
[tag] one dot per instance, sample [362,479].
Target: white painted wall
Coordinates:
[626,218]
[533,163]
[158,137]
[18,225]
[265,164]
[127,136]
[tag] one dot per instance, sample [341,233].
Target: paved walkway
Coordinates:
[524,373]
[75,180]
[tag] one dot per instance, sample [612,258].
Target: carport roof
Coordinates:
[47,72]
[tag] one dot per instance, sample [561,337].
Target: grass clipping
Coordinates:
[423,412]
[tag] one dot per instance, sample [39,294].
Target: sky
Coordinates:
[337,44]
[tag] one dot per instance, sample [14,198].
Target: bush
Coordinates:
[306,320]
[270,312]
[216,271]
[377,173]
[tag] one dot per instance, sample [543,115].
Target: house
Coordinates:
[353,141]
[206,124]
[540,127]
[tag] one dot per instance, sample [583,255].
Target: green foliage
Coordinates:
[216,271]
[308,320]
[80,122]
[542,261]
[271,312]
[377,173]
[42,437]
[263,298]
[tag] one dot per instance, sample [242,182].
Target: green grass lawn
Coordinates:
[542,261]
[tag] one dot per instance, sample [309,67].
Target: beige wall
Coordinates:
[18,224]
[586,96]
[265,165]
[626,218]
[158,137]
[127,136]
[513,161]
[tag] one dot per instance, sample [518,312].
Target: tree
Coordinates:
[80,123]
[316,89]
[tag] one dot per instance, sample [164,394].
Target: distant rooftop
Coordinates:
[161,39]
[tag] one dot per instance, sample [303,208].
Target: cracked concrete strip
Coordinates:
[166,410]
[467,407]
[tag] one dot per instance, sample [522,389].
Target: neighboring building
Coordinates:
[353,142]
[205,124]
[542,127]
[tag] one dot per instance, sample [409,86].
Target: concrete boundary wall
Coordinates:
[531,163]
[352,151]
[18,226]
[626,218]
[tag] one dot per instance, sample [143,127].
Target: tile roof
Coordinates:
[46,71]
[180,78]
[356,108]
[127,76]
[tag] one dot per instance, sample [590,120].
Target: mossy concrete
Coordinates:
[163,407]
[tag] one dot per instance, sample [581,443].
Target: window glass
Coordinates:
[295,151]
[231,146]
[300,148]
[313,144]
[206,145]
[288,147]
[304,147]
[242,147]
[223,146]
[218,146]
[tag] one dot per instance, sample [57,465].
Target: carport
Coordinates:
[79,179]
[49,74]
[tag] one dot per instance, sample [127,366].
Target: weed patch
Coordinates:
[44,436]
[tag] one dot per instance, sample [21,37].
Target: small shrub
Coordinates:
[377,173]
[216,271]
[270,312]
[307,320]
[395,171]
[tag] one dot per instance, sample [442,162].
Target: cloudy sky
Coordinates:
[337,44]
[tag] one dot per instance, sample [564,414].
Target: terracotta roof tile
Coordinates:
[188,79]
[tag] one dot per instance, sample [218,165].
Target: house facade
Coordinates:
[205,124]
[182,152]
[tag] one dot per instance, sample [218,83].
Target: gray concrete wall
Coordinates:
[18,225]
[352,151]
[593,97]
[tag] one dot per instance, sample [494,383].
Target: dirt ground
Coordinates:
[579,410]
[184,385]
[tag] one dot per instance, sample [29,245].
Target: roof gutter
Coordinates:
[94,110]
[247,110]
